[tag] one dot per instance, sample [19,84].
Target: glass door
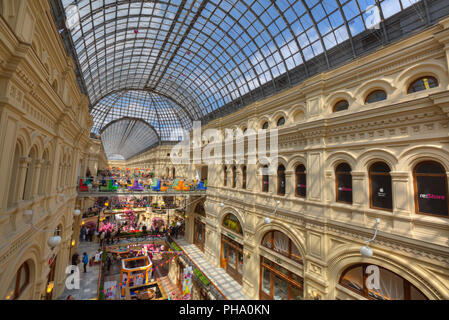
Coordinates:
[232,258]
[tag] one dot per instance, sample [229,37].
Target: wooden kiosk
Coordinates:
[134,272]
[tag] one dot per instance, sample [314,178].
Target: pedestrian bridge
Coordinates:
[145,193]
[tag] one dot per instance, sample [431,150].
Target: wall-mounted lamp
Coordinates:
[366,250]
[268,220]
[76,212]
[73,243]
[50,287]
[314,294]
[54,241]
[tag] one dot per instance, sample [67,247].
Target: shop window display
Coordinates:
[282,244]
[431,194]
[231,222]
[278,283]
[391,286]
[343,183]
[380,186]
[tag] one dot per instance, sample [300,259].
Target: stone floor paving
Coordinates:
[230,288]
[88,280]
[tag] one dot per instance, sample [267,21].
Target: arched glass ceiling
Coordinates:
[162,113]
[205,54]
[127,137]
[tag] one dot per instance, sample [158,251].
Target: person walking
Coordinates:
[108,237]
[75,260]
[102,237]
[85,261]
[83,233]
[108,262]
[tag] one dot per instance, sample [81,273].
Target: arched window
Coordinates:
[376,96]
[199,209]
[19,282]
[231,222]
[225,176]
[281,121]
[301,181]
[424,83]
[380,186]
[234,177]
[265,125]
[265,179]
[343,182]
[341,105]
[244,177]
[392,286]
[281,243]
[281,180]
[431,193]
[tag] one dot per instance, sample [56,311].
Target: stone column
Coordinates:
[289,183]
[401,198]
[36,175]
[359,194]
[251,177]
[23,166]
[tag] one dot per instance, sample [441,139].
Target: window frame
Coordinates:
[263,181]
[244,172]
[374,91]
[225,176]
[336,184]
[274,272]
[290,245]
[370,186]
[407,284]
[277,122]
[19,290]
[279,180]
[415,187]
[339,101]
[297,174]
[421,78]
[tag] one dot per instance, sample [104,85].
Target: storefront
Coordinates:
[199,234]
[280,282]
[231,255]
[232,258]
[199,226]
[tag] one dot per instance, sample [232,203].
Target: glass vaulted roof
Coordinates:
[126,137]
[204,54]
[162,113]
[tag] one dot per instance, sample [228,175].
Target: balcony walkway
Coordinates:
[168,193]
[227,285]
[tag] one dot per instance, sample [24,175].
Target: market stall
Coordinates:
[135,271]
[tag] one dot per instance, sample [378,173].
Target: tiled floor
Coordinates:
[230,288]
[89,280]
